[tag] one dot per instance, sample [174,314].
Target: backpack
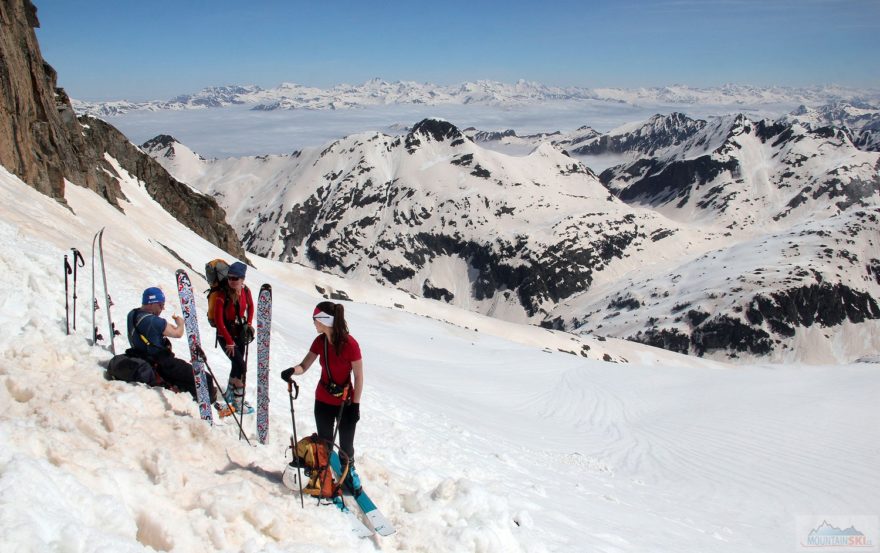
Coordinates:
[132,369]
[216,272]
[313,454]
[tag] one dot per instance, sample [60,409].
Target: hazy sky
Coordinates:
[124,49]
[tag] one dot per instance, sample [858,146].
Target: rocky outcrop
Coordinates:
[40,139]
[658,133]
[197,211]
[43,143]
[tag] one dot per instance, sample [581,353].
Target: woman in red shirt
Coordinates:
[340,358]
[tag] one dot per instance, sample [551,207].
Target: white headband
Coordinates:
[323,318]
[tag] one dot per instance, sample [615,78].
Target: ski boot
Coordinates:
[235,397]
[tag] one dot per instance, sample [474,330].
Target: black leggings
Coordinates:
[239,366]
[325,418]
[179,373]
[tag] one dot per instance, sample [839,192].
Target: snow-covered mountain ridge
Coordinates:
[435,214]
[378,92]
[538,238]
[861,120]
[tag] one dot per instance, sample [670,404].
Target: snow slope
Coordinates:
[469,441]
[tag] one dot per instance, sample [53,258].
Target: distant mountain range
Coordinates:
[725,237]
[379,92]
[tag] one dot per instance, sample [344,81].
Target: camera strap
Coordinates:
[327,364]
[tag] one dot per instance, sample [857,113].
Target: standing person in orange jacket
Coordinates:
[234,309]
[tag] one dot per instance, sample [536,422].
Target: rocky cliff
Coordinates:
[43,143]
[40,140]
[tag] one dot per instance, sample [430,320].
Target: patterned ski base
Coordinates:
[264,332]
[191,323]
[374,516]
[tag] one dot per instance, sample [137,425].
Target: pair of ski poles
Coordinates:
[204,359]
[78,261]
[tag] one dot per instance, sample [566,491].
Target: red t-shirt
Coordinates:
[340,366]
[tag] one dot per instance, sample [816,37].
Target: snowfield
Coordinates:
[476,434]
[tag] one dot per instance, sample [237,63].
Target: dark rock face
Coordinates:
[731,334]
[667,338]
[491,136]
[781,313]
[665,183]
[159,142]
[824,304]
[661,131]
[436,130]
[436,293]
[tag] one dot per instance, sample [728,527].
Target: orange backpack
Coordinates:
[313,454]
[216,272]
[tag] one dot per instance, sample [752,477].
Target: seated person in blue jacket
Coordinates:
[148,335]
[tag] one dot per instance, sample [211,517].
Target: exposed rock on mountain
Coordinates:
[197,211]
[773,241]
[741,173]
[658,133]
[812,283]
[859,119]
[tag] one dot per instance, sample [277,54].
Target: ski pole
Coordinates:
[67,271]
[78,261]
[238,422]
[244,384]
[285,375]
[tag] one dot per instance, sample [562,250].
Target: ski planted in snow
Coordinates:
[264,331]
[191,323]
[375,517]
[96,336]
[98,254]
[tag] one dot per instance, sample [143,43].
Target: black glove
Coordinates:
[354,411]
[286,374]
[249,334]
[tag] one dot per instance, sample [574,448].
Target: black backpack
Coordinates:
[132,369]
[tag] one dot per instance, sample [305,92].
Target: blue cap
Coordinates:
[237,269]
[153,295]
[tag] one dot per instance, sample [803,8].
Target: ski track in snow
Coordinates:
[468,442]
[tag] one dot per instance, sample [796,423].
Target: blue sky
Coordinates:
[122,49]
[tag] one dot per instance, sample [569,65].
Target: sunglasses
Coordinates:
[233,278]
